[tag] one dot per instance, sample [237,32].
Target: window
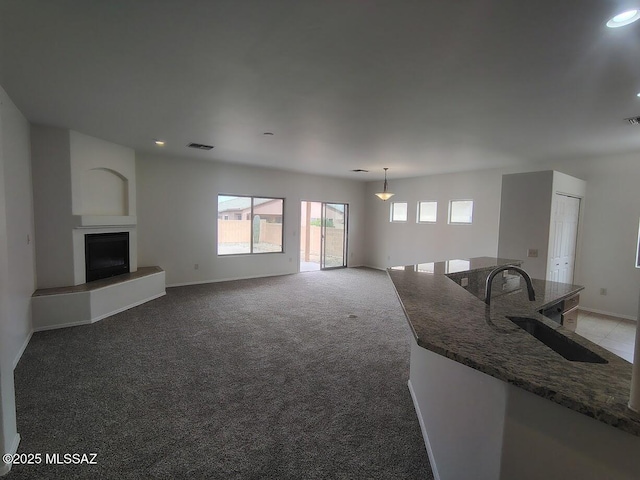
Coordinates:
[399,212]
[638,250]
[461,211]
[257,227]
[427,212]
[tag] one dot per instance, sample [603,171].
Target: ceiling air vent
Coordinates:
[633,120]
[359,170]
[200,146]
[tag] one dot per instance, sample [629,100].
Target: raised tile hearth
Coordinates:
[87,303]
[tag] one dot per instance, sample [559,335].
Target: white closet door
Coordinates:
[563,237]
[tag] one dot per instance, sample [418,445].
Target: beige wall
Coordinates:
[240,231]
[333,242]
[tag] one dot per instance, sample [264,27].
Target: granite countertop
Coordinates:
[452,321]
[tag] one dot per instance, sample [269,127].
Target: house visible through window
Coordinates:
[256,228]
[399,212]
[461,211]
[427,212]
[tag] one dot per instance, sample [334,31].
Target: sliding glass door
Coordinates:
[334,235]
[323,235]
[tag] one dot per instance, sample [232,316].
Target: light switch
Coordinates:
[532,253]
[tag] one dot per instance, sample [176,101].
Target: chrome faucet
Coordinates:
[495,271]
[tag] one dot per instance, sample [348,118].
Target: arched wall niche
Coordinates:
[103,191]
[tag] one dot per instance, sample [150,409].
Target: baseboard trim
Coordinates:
[610,314]
[6,467]
[374,268]
[62,325]
[231,279]
[22,349]
[425,437]
[250,277]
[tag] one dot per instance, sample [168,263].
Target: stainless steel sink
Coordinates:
[558,342]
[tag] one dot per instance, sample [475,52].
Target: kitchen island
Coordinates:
[496,403]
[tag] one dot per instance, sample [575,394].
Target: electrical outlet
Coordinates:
[196,266]
[532,253]
[603,291]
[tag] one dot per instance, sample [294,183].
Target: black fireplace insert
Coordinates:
[106,255]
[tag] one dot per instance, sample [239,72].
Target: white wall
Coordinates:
[407,243]
[20,224]
[525,214]
[103,177]
[610,232]
[17,273]
[177,216]
[463,432]
[81,185]
[606,256]
[52,205]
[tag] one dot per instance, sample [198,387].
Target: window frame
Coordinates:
[419,208]
[451,202]
[252,198]
[638,249]
[391,211]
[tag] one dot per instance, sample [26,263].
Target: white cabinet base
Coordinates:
[476,426]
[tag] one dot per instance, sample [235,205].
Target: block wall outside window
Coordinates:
[257,225]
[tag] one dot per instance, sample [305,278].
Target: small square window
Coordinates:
[427,212]
[399,212]
[461,212]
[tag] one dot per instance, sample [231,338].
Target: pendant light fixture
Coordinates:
[384,195]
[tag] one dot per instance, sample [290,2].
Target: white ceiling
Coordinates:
[422,87]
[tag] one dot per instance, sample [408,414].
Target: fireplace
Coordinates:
[106,255]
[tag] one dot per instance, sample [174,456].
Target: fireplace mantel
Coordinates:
[93,221]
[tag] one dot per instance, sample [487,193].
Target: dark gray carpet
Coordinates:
[264,378]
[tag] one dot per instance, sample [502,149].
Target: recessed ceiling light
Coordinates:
[638,94]
[624,18]
[160,143]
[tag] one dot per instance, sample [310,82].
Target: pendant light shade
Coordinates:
[384,195]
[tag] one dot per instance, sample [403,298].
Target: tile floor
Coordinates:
[615,334]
